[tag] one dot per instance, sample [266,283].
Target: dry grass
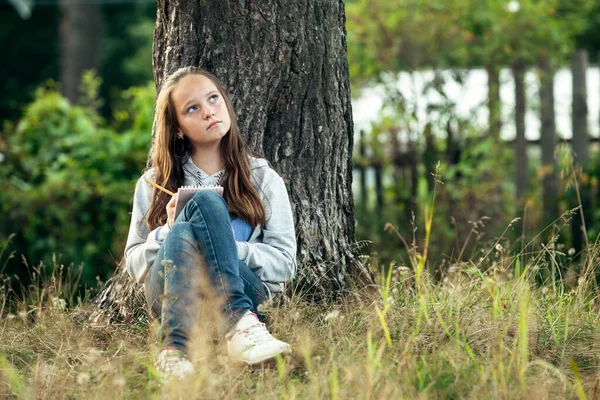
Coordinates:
[474,335]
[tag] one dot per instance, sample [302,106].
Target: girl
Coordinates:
[243,243]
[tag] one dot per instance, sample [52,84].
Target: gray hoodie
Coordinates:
[271,250]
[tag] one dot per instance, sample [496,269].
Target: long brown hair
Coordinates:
[169,153]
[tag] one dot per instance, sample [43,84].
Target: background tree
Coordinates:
[80,32]
[285,65]
[34,40]
[34,49]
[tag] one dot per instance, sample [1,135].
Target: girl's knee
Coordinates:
[179,229]
[208,196]
[180,235]
[210,200]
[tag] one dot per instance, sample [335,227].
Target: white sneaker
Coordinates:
[250,342]
[172,362]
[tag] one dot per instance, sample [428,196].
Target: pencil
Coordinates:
[160,187]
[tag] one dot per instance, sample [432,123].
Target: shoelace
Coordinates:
[258,333]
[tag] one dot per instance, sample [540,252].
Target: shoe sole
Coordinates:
[264,360]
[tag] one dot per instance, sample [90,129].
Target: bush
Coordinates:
[68,178]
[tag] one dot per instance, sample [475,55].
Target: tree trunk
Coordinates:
[380,202]
[494,104]
[452,158]
[548,141]
[414,182]
[430,157]
[286,68]
[80,32]
[521,142]
[363,171]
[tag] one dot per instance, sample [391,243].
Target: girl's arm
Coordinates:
[142,245]
[273,257]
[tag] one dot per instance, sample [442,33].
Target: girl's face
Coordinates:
[201,111]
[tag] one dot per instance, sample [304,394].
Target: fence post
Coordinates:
[548,141]
[580,142]
[579,65]
[520,141]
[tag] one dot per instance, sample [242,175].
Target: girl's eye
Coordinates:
[213,98]
[192,109]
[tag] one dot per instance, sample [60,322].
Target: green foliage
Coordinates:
[90,91]
[482,167]
[139,64]
[533,31]
[474,202]
[126,58]
[582,186]
[68,178]
[404,35]
[473,175]
[386,36]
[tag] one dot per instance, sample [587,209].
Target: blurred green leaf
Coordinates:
[69,177]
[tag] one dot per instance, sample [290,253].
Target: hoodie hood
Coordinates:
[257,163]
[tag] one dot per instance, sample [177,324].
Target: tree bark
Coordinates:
[363,171]
[380,200]
[452,158]
[285,66]
[520,141]
[80,31]
[430,158]
[549,142]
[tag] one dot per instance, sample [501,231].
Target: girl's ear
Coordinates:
[179,134]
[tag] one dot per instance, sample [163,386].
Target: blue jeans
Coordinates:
[199,246]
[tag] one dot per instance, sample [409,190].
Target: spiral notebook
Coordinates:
[185,193]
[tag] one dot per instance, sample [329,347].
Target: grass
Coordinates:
[476,334]
[487,329]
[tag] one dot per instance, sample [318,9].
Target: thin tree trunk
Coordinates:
[80,32]
[548,141]
[379,187]
[452,158]
[414,181]
[520,142]
[494,104]
[430,157]
[363,170]
[401,162]
[285,65]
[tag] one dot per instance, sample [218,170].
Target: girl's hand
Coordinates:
[171,210]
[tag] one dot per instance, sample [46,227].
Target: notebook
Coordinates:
[185,193]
